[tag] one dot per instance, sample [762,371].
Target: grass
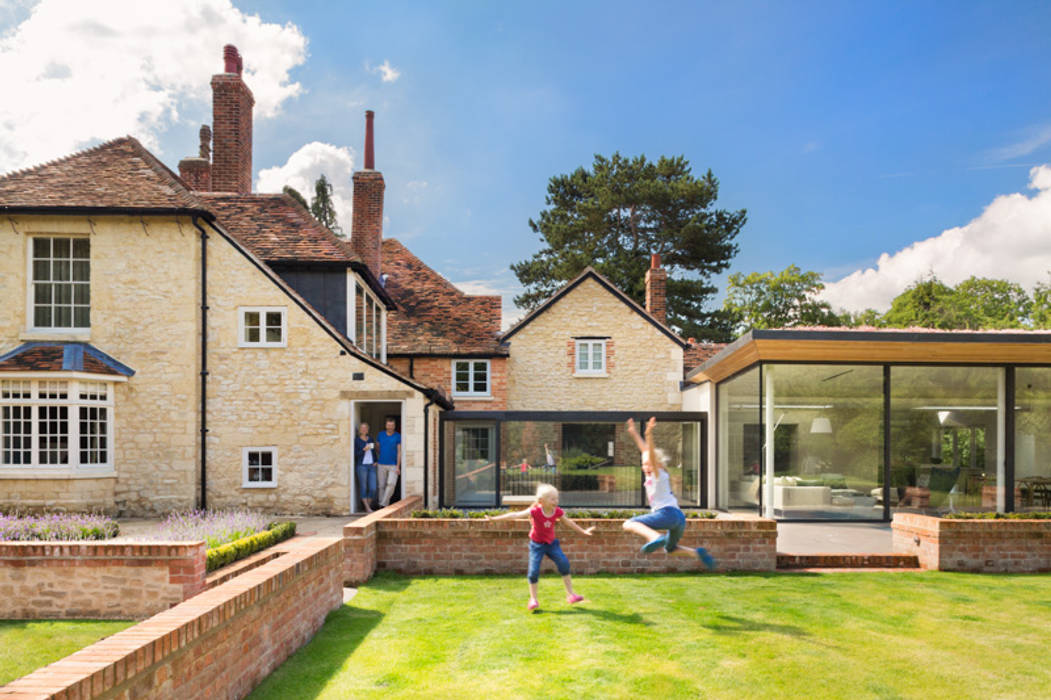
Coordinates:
[856,635]
[26,645]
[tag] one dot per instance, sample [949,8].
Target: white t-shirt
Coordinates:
[658,491]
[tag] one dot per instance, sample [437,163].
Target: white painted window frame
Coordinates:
[31,326]
[262,310]
[373,318]
[245,483]
[590,371]
[471,371]
[74,382]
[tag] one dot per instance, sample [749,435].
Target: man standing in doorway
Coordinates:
[389,459]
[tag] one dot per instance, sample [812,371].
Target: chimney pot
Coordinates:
[655,261]
[370,157]
[231,59]
[205,134]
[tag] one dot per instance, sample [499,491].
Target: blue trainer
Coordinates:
[706,558]
[654,545]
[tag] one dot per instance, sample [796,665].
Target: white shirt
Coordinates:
[658,491]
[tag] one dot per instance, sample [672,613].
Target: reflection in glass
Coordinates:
[1033,438]
[739,441]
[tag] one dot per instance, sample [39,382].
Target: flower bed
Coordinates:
[57,526]
[1043,515]
[450,513]
[239,549]
[215,527]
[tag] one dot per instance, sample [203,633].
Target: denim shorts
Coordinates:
[667,518]
[537,552]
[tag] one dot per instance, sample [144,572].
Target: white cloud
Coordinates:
[386,71]
[1011,239]
[302,169]
[125,66]
[414,192]
[1035,138]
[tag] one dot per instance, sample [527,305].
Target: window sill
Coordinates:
[51,473]
[259,486]
[590,375]
[262,346]
[66,334]
[474,397]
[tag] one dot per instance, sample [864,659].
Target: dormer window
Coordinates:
[60,283]
[367,321]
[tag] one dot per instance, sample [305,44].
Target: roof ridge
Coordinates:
[62,159]
[161,169]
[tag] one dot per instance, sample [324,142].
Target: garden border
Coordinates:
[981,545]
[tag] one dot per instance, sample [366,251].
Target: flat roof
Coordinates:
[875,345]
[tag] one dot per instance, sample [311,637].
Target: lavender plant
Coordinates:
[215,527]
[57,526]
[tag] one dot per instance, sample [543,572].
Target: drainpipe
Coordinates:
[204,364]
[426,447]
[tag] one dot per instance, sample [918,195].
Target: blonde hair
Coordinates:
[662,458]
[545,490]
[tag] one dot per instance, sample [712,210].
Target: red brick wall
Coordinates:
[657,292]
[437,372]
[95,580]
[232,104]
[367,218]
[359,540]
[1002,546]
[223,643]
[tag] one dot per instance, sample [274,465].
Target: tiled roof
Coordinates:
[433,316]
[276,228]
[61,357]
[696,354]
[118,173]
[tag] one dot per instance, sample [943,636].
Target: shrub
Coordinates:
[215,527]
[57,526]
[239,549]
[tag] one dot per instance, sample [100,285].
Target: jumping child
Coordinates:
[664,509]
[544,513]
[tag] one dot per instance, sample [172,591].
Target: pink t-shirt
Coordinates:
[543,529]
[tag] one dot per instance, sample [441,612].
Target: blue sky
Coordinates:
[847,130]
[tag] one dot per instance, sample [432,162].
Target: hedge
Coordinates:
[239,549]
[1042,515]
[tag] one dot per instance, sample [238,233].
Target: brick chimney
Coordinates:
[366,232]
[232,104]
[657,289]
[196,172]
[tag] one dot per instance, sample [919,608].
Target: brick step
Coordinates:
[847,561]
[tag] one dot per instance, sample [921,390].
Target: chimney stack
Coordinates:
[232,104]
[196,172]
[657,289]
[366,234]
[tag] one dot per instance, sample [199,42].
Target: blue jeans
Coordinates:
[366,474]
[553,551]
[667,518]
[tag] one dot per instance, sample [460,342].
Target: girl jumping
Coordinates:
[664,509]
[544,513]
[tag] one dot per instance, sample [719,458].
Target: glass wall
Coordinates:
[946,453]
[739,442]
[823,436]
[1032,438]
[592,464]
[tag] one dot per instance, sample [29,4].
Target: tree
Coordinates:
[927,303]
[868,317]
[1040,311]
[781,300]
[294,194]
[991,303]
[615,215]
[322,207]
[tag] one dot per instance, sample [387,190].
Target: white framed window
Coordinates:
[366,321]
[471,378]
[48,424]
[59,283]
[591,358]
[262,327]
[259,467]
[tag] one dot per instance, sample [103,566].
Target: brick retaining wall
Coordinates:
[222,643]
[988,546]
[459,546]
[70,580]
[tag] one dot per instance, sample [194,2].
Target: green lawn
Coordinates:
[836,635]
[26,645]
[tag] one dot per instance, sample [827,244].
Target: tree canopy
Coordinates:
[777,300]
[614,215]
[321,205]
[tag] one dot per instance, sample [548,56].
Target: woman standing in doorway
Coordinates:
[365,466]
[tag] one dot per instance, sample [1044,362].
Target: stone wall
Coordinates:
[97,580]
[66,495]
[644,364]
[987,546]
[222,643]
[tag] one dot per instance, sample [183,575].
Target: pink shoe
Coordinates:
[533,605]
[573,599]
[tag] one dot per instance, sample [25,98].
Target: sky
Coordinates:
[874,142]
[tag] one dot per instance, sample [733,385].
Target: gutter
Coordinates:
[192,212]
[204,364]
